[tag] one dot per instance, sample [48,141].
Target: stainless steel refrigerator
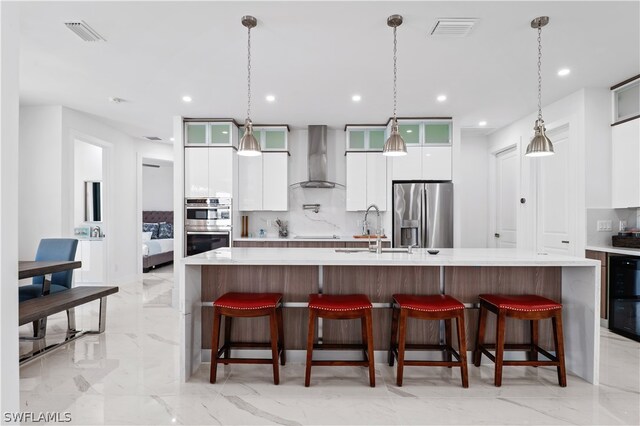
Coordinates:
[423,214]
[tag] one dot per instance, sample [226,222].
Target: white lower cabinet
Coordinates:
[91,254]
[625,156]
[366,180]
[208,172]
[263,182]
[423,163]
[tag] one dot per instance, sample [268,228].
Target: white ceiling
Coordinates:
[313,56]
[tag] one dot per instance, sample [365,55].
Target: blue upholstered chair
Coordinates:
[52,249]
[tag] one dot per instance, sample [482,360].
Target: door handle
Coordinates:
[565,242]
[496,235]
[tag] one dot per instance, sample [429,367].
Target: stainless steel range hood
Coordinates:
[317,159]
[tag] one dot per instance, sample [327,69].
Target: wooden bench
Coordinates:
[34,310]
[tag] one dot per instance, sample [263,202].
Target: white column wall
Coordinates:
[9,100]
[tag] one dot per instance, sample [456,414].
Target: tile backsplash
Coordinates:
[599,238]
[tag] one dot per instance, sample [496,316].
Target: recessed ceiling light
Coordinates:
[186,98]
[224,132]
[564,71]
[270,98]
[356,98]
[441,98]
[409,131]
[172,139]
[482,123]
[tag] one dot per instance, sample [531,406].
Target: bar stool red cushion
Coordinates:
[248,300]
[428,303]
[339,302]
[523,303]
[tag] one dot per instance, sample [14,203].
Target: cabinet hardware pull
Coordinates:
[565,242]
[496,235]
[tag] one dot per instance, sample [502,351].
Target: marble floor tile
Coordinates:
[130,375]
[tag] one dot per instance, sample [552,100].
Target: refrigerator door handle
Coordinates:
[423,217]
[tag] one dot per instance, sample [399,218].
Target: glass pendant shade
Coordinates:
[249,146]
[394,146]
[540,145]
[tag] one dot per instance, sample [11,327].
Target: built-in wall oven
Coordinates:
[624,296]
[208,224]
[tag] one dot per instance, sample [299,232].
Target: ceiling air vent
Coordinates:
[153,138]
[84,31]
[453,27]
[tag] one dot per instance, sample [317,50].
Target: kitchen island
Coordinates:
[461,273]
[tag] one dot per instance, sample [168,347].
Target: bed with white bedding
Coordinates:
[157,251]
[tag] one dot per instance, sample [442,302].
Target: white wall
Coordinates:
[157,186]
[120,188]
[87,167]
[40,176]
[472,185]
[9,131]
[571,110]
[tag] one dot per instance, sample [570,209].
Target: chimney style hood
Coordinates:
[317,160]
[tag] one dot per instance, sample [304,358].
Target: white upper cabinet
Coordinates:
[196,172]
[263,182]
[210,133]
[436,163]
[366,180]
[250,183]
[429,153]
[208,172]
[270,138]
[408,167]
[365,138]
[625,139]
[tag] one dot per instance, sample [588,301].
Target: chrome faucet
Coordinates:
[378,244]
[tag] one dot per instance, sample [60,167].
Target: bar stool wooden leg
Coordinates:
[393,344]
[227,335]
[448,340]
[401,345]
[369,334]
[310,338]
[533,355]
[283,357]
[500,329]
[215,339]
[462,349]
[482,323]
[273,323]
[558,338]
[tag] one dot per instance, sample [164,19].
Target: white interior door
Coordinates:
[555,197]
[507,174]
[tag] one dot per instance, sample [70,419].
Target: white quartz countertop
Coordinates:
[616,250]
[303,239]
[329,256]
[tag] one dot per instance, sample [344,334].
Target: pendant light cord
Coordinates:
[539,73]
[395,71]
[249,73]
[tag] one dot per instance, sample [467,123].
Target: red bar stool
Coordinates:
[342,307]
[247,305]
[526,307]
[432,307]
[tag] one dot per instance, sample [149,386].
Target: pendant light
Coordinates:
[540,145]
[249,146]
[394,146]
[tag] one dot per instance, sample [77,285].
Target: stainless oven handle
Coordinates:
[208,233]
